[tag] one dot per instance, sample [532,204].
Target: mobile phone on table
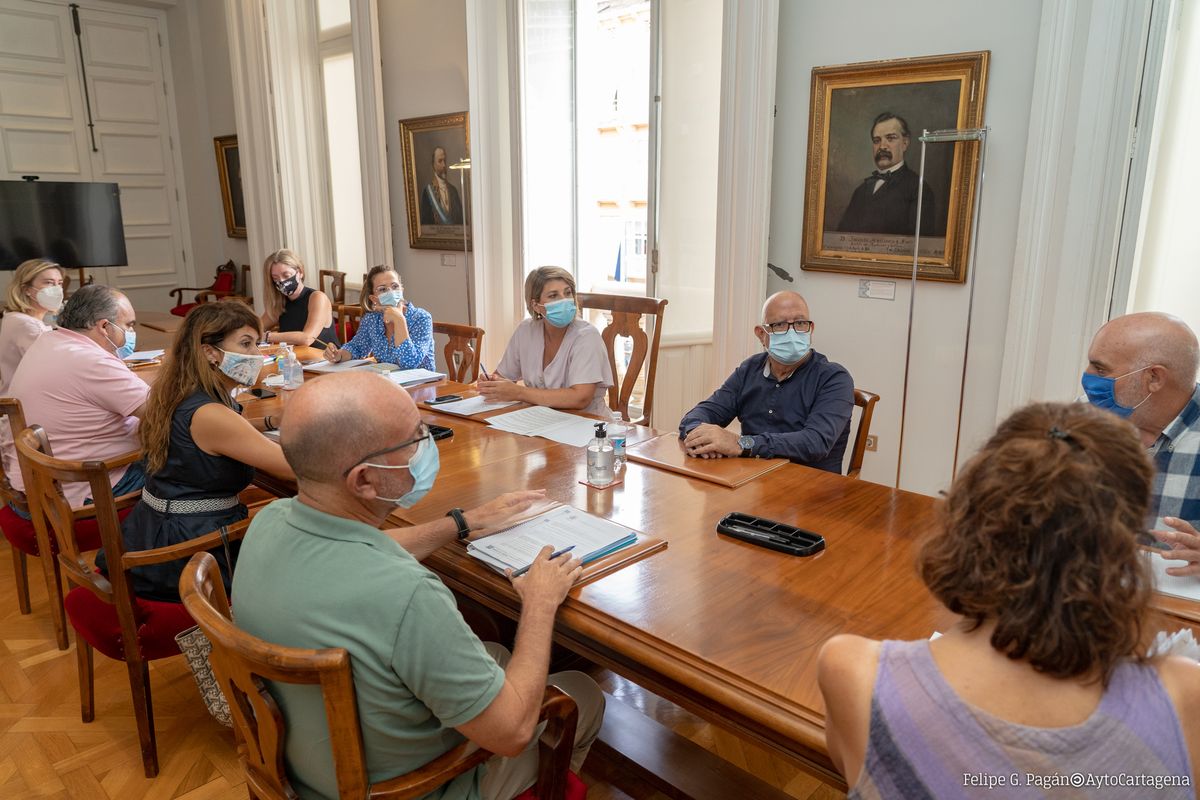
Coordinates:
[261,393]
[446,398]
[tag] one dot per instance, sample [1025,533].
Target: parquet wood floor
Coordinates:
[47,752]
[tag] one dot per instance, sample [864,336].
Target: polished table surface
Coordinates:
[724,628]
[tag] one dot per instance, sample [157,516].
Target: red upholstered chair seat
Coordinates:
[158,623]
[224,283]
[21,534]
[576,789]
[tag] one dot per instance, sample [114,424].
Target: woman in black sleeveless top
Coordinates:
[200,451]
[302,313]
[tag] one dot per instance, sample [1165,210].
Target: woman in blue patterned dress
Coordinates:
[393,329]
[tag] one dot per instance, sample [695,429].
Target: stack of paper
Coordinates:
[1187,587]
[561,527]
[414,377]
[471,406]
[341,366]
[556,426]
[142,356]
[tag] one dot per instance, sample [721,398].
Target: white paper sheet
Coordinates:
[144,355]
[1186,587]
[343,366]
[414,377]
[548,423]
[471,406]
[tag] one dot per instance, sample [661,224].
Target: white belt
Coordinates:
[189,506]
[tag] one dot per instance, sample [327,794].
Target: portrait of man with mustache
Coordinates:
[886,201]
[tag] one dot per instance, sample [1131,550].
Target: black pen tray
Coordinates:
[771,534]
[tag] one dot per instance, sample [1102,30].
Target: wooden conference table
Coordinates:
[726,629]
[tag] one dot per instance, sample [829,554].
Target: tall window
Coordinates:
[341,136]
[1166,276]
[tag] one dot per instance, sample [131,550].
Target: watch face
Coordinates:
[745,442]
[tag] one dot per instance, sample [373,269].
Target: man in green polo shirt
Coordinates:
[316,571]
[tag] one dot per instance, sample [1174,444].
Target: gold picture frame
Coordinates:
[229,172]
[858,117]
[438,217]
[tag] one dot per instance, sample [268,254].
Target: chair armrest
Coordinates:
[161,555]
[178,291]
[556,744]
[422,781]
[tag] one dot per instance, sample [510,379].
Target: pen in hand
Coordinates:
[518,573]
[483,373]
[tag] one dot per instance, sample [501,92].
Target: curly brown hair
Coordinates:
[1039,535]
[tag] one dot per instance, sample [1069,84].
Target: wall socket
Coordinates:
[872,442]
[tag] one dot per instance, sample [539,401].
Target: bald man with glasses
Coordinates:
[792,402]
[316,571]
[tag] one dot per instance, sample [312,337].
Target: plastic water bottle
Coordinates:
[600,458]
[292,371]
[617,433]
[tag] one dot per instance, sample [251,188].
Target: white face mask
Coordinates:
[242,367]
[49,297]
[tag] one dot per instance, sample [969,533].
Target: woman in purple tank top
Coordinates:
[1043,688]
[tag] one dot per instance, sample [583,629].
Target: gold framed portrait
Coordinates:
[863,186]
[438,197]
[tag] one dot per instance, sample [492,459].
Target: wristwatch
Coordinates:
[464,530]
[747,444]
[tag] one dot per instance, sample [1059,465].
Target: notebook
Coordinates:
[1187,587]
[561,527]
[414,377]
[341,366]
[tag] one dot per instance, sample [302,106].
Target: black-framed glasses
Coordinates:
[799,326]
[423,433]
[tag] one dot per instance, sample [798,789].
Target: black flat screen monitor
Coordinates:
[74,224]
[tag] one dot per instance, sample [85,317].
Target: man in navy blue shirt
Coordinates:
[792,402]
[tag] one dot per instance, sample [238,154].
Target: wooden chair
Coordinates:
[462,350]
[866,401]
[337,285]
[224,285]
[22,534]
[84,280]
[625,314]
[104,611]
[346,319]
[242,662]
[246,290]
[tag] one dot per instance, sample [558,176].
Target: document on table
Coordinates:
[563,526]
[1187,587]
[556,426]
[471,406]
[414,377]
[341,366]
[143,355]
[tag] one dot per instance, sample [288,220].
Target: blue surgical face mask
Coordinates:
[391,298]
[1101,392]
[561,313]
[424,466]
[127,349]
[789,347]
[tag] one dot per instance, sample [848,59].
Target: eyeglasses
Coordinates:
[423,433]
[799,326]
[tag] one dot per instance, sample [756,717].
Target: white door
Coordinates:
[44,126]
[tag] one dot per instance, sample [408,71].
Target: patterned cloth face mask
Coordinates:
[242,367]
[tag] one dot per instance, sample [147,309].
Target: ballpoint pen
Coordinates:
[553,556]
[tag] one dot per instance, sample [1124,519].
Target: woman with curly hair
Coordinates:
[200,451]
[1045,678]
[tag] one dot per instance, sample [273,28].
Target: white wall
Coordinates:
[424,47]
[868,336]
[199,54]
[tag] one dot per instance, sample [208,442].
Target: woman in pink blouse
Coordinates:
[559,358]
[35,291]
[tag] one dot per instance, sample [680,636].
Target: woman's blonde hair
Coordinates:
[186,369]
[368,286]
[24,275]
[536,281]
[272,299]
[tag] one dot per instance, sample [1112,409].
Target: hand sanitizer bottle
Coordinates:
[600,458]
[292,371]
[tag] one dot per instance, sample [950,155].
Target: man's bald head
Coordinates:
[334,421]
[785,306]
[1144,339]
